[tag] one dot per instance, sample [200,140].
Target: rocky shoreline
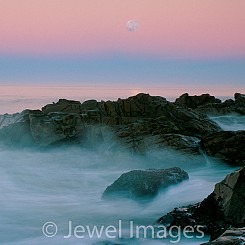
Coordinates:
[141,124]
[222,209]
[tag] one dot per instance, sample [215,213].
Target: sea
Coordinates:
[54,195]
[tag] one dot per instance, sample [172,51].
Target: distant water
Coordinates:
[17,98]
[66,184]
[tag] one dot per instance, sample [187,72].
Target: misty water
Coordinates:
[65,184]
[230,122]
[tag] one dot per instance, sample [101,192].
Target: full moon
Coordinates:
[132,25]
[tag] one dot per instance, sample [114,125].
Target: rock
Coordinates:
[144,183]
[232,236]
[8,119]
[239,98]
[221,209]
[141,143]
[63,105]
[33,127]
[139,123]
[226,145]
[54,127]
[89,105]
[185,100]
[231,193]
[17,134]
[184,143]
[229,106]
[206,214]
[212,106]
[15,129]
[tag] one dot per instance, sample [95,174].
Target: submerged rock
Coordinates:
[221,209]
[144,183]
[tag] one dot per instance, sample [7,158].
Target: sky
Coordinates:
[179,45]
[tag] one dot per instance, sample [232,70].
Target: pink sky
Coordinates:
[171,28]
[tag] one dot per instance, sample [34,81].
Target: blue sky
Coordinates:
[120,70]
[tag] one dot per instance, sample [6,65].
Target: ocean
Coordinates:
[46,194]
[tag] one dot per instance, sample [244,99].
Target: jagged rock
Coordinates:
[222,208]
[15,129]
[212,106]
[226,145]
[8,119]
[144,183]
[54,127]
[17,134]
[231,193]
[232,236]
[139,123]
[181,142]
[239,98]
[206,214]
[185,100]
[138,142]
[37,128]
[63,105]
[89,105]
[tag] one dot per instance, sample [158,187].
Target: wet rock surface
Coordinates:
[138,124]
[144,183]
[226,145]
[220,210]
[143,114]
[232,236]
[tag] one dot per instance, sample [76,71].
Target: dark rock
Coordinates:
[144,183]
[231,193]
[15,129]
[139,123]
[239,98]
[226,145]
[184,143]
[212,106]
[185,100]
[54,127]
[232,236]
[89,105]
[63,105]
[207,215]
[221,209]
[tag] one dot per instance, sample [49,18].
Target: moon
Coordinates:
[132,25]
